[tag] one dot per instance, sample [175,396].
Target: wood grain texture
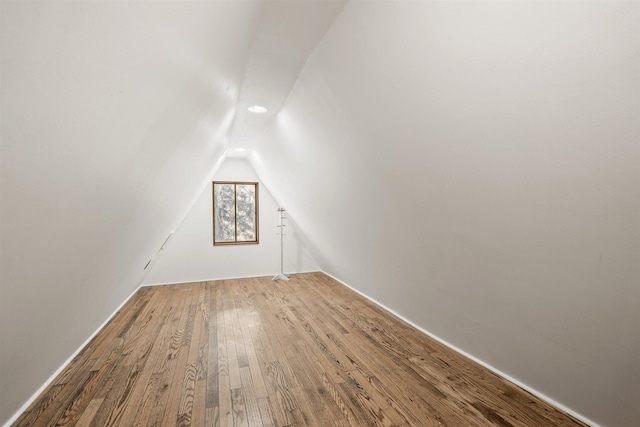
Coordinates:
[257,353]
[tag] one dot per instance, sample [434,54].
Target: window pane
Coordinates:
[246,212]
[225,216]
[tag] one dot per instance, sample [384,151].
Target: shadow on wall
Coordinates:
[302,242]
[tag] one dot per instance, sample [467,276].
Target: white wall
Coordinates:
[475,167]
[191,256]
[112,116]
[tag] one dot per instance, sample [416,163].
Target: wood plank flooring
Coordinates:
[253,352]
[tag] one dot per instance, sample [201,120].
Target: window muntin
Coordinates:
[235,212]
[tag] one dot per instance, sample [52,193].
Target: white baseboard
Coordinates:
[475,359]
[270,274]
[65,364]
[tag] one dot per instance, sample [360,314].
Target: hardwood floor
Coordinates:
[253,352]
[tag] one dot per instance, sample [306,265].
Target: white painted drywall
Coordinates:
[112,116]
[471,165]
[191,256]
[475,167]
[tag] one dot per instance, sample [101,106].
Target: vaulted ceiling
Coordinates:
[472,166]
[113,116]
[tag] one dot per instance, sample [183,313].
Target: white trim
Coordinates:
[227,278]
[46,384]
[475,359]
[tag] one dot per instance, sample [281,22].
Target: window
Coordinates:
[235,213]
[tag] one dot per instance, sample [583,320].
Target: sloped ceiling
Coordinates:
[473,166]
[113,116]
[476,168]
[287,34]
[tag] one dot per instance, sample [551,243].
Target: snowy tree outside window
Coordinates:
[235,213]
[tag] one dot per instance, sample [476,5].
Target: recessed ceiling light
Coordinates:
[258,109]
